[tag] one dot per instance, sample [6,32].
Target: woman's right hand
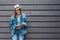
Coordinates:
[17,26]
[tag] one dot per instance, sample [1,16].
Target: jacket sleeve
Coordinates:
[11,22]
[25,20]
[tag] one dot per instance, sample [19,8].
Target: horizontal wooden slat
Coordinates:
[33,30]
[33,36]
[5,39]
[42,39]
[38,30]
[35,24]
[30,1]
[34,18]
[43,36]
[39,7]
[32,12]
[5,35]
[33,39]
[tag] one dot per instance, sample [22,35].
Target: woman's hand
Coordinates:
[17,26]
[23,24]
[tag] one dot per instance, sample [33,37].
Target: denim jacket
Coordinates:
[13,20]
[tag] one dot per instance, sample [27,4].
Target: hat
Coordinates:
[17,6]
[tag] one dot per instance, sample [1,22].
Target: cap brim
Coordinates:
[17,8]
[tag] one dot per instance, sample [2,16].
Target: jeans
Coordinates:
[19,34]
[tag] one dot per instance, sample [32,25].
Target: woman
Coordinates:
[18,24]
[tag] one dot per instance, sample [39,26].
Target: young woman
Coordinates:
[18,24]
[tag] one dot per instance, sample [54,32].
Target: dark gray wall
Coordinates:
[43,17]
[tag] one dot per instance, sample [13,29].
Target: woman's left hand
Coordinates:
[23,25]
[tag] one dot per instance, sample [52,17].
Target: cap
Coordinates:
[17,6]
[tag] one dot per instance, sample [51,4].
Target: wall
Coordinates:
[43,17]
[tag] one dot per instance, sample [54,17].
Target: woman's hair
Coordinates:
[15,12]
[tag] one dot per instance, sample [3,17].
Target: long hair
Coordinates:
[16,13]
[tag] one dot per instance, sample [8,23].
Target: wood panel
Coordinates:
[35,24]
[30,1]
[43,18]
[37,36]
[34,30]
[32,7]
[3,13]
[29,19]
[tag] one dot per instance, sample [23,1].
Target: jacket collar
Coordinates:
[20,19]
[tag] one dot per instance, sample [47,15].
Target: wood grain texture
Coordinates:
[43,18]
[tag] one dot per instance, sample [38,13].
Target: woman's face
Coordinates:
[18,12]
